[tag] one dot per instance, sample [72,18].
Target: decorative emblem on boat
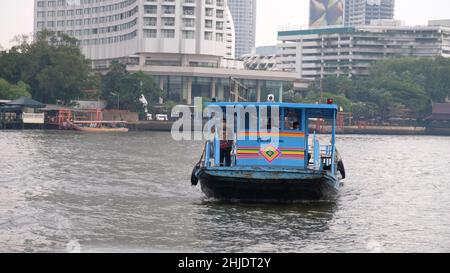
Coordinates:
[270,153]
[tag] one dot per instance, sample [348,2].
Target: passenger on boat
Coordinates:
[226,146]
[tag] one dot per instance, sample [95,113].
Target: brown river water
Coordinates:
[67,191]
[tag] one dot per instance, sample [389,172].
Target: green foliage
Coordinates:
[340,100]
[53,66]
[168,106]
[120,86]
[395,87]
[93,86]
[13,91]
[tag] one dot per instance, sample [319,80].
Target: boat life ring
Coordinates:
[194,176]
[341,168]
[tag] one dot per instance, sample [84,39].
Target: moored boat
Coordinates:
[100,126]
[278,164]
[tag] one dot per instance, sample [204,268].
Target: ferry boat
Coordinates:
[286,165]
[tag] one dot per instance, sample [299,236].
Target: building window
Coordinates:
[219,13]
[167,33]
[188,22]
[208,35]
[188,10]
[168,22]
[150,9]
[219,37]
[150,33]
[209,12]
[208,23]
[150,21]
[188,34]
[168,9]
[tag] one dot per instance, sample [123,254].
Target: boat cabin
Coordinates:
[273,135]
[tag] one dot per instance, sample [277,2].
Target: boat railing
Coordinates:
[321,155]
[212,153]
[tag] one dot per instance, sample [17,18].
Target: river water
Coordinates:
[66,191]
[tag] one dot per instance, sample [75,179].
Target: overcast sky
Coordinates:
[16,16]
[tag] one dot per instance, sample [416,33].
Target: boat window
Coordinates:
[271,123]
[292,119]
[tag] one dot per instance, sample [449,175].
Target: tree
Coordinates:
[395,87]
[93,87]
[120,86]
[53,66]
[13,91]
[340,100]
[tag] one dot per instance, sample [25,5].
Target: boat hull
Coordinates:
[268,186]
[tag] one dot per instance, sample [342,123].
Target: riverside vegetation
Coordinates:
[52,69]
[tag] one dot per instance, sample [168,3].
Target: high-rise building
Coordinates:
[109,29]
[186,45]
[362,12]
[244,18]
[349,51]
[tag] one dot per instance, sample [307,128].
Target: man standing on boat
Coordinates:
[226,146]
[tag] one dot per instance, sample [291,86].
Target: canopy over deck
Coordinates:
[10,108]
[26,102]
[312,110]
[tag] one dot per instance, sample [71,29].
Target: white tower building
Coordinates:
[188,46]
[111,29]
[244,17]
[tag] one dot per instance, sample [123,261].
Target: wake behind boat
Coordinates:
[260,169]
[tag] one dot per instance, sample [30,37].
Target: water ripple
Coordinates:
[65,191]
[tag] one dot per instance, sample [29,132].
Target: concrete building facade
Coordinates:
[111,29]
[362,12]
[348,51]
[186,45]
[243,13]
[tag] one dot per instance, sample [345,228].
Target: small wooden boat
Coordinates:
[100,126]
[276,166]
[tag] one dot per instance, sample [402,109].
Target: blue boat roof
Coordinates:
[279,104]
[316,107]
[313,110]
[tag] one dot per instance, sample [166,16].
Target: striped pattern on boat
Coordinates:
[270,134]
[255,153]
